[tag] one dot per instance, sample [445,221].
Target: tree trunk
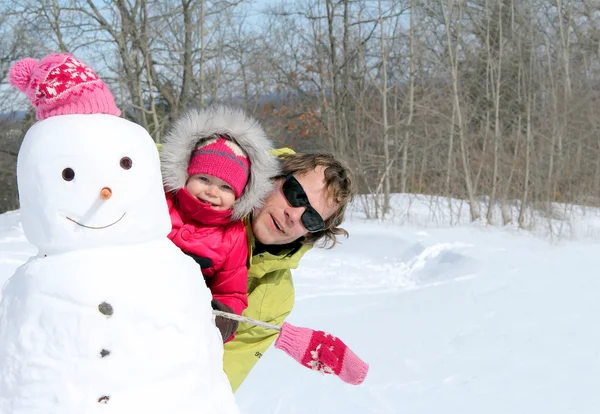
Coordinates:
[453,56]
[496,90]
[411,97]
[384,119]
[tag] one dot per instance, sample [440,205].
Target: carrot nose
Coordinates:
[105,193]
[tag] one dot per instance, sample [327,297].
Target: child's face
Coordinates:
[211,190]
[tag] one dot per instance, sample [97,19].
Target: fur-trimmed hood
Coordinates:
[196,125]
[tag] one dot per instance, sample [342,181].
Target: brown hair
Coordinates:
[338,184]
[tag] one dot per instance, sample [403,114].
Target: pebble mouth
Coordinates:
[94,227]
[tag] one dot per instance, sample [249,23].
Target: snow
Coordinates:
[60,312]
[457,319]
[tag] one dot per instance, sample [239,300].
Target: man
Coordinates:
[306,209]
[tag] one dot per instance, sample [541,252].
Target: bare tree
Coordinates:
[452,40]
[411,97]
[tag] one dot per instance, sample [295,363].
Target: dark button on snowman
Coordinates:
[81,323]
[105,309]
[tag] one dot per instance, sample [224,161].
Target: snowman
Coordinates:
[110,316]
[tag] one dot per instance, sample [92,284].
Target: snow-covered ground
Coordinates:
[460,319]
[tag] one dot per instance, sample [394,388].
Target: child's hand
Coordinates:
[226,326]
[204,262]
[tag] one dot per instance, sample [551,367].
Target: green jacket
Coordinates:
[270,299]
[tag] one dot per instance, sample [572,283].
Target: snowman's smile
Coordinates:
[96,227]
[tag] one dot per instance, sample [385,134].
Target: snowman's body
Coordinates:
[110,317]
[110,330]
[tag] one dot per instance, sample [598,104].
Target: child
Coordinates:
[217,168]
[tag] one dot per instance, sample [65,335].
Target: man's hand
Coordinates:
[321,352]
[226,326]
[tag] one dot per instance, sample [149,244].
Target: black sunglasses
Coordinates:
[296,196]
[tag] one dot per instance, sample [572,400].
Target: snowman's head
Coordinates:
[90,180]
[86,177]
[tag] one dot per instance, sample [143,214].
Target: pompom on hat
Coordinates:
[60,84]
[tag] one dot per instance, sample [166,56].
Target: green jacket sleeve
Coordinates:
[270,301]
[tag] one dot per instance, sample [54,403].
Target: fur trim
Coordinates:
[196,125]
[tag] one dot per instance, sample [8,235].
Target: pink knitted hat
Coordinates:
[322,352]
[59,84]
[224,159]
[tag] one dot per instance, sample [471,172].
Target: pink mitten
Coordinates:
[321,352]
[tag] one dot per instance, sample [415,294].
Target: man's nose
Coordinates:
[293,214]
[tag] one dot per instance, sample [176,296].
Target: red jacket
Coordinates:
[200,230]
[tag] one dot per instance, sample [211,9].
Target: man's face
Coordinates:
[280,223]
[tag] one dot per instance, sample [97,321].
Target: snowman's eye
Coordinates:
[126,163]
[68,174]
